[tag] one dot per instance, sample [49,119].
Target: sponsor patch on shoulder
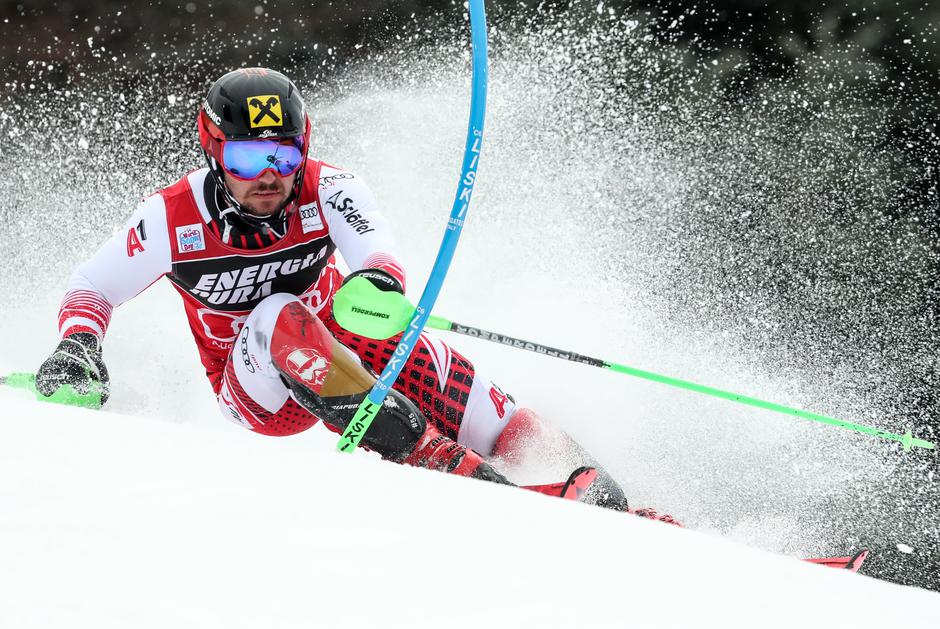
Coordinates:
[190,238]
[310,218]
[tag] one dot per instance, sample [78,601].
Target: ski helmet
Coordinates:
[252,104]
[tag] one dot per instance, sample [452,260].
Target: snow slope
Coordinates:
[113,520]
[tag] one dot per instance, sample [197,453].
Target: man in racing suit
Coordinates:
[250,244]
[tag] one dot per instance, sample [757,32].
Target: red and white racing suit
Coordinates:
[171,234]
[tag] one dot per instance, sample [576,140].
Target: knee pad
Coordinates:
[330,381]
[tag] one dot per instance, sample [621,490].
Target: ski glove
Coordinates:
[380,279]
[77,362]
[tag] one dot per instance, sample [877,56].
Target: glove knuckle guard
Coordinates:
[382,280]
[77,362]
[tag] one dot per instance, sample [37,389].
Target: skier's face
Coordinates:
[262,196]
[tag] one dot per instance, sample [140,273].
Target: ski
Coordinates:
[852,564]
[571,489]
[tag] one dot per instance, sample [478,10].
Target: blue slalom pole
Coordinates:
[471,158]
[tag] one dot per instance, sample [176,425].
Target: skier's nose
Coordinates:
[267,177]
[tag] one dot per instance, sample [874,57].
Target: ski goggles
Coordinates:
[247,159]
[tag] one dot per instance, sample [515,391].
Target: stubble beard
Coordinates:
[258,212]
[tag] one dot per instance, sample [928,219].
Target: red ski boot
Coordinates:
[434,451]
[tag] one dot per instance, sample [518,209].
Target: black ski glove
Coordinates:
[382,280]
[76,361]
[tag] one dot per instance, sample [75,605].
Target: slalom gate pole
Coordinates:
[388,313]
[370,406]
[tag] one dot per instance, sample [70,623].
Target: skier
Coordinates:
[249,242]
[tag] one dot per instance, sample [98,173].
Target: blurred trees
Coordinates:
[887,50]
[773,34]
[891,46]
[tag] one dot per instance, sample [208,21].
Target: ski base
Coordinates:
[852,564]
[578,482]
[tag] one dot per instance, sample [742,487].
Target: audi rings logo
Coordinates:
[244,347]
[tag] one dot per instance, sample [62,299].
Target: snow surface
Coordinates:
[113,520]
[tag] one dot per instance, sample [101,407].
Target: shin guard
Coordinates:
[331,383]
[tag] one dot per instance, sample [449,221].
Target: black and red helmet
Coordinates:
[251,104]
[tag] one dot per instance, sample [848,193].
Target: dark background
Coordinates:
[46,44]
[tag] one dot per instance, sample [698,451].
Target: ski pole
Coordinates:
[65,394]
[387,313]
[370,406]
[907,440]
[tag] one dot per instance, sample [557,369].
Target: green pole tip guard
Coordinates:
[362,308]
[910,441]
[65,394]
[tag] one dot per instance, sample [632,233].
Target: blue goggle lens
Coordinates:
[247,159]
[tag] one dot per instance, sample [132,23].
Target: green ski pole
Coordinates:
[388,313]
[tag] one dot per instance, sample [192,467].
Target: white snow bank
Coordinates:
[109,520]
